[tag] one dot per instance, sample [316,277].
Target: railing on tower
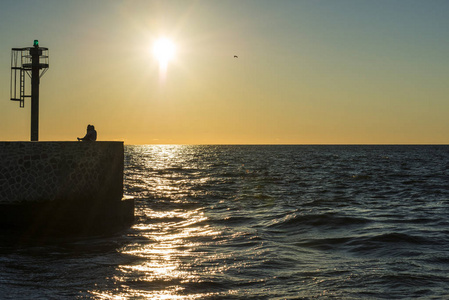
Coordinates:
[30,62]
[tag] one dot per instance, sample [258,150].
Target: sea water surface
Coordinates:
[259,222]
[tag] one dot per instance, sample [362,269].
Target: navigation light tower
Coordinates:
[33,62]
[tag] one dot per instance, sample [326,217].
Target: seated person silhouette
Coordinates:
[91,134]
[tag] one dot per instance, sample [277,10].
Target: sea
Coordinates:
[258,222]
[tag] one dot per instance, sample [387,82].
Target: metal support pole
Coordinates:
[35,53]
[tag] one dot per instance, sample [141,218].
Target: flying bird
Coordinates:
[235,56]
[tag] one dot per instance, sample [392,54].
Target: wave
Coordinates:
[395,238]
[330,220]
[387,244]
[232,220]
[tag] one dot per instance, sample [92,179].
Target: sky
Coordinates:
[307,72]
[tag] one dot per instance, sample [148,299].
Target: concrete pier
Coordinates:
[62,188]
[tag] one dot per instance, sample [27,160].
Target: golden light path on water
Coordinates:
[173,242]
[160,264]
[163,258]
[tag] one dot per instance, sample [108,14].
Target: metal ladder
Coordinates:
[14,69]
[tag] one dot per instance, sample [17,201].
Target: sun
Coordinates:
[164,51]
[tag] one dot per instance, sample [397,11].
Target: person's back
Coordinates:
[91,135]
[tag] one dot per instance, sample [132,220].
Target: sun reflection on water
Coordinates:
[171,231]
[160,271]
[161,265]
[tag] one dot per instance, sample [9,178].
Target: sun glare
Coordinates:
[164,51]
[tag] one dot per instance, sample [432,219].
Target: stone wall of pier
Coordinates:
[75,172]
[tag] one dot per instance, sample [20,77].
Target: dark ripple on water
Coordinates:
[260,222]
